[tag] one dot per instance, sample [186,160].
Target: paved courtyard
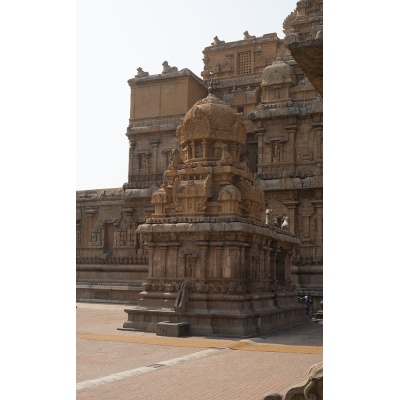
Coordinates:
[113,364]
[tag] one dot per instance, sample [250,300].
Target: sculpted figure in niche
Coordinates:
[275,151]
[142,162]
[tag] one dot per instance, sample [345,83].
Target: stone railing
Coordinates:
[180,220]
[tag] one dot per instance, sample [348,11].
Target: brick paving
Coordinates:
[131,365]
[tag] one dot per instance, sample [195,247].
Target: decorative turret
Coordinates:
[276,81]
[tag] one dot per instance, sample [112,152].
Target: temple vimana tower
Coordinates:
[222,207]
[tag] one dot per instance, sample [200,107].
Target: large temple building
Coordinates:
[223,204]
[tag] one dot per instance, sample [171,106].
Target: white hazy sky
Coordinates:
[115,37]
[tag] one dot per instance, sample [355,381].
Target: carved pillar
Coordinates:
[154,151]
[162,261]
[132,108]
[242,262]
[180,271]
[260,135]
[204,144]
[262,264]
[88,230]
[292,144]
[306,210]
[272,266]
[132,144]
[288,276]
[150,249]
[217,252]
[102,233]
[172,261]
[192,148]
[147,156]
[318,222]
[231,267]
[291,206]
[267,262]
[115,233]
[135,166]
[317,139]
[201,265]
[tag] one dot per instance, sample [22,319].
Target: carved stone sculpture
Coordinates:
[312,389]
[217,41]
[167,69]
[285,224]
[141,73]
[247,36]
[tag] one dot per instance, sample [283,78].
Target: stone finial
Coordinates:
[141,73]
[167,69]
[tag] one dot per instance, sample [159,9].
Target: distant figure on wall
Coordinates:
[308,303]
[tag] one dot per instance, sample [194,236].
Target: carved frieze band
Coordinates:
[136,259]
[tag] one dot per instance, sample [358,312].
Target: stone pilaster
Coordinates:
[162,261]
[135,165]
[291,129]
[201,265]
[204,144]
[318,210]
[150,251]
[172,261]
[260,135]
[288,277]
[131,171]
[291,206]
[154,152]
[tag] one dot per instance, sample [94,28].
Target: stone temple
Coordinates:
[214,263]
[223,205]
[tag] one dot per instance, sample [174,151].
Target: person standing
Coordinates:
[308,303]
